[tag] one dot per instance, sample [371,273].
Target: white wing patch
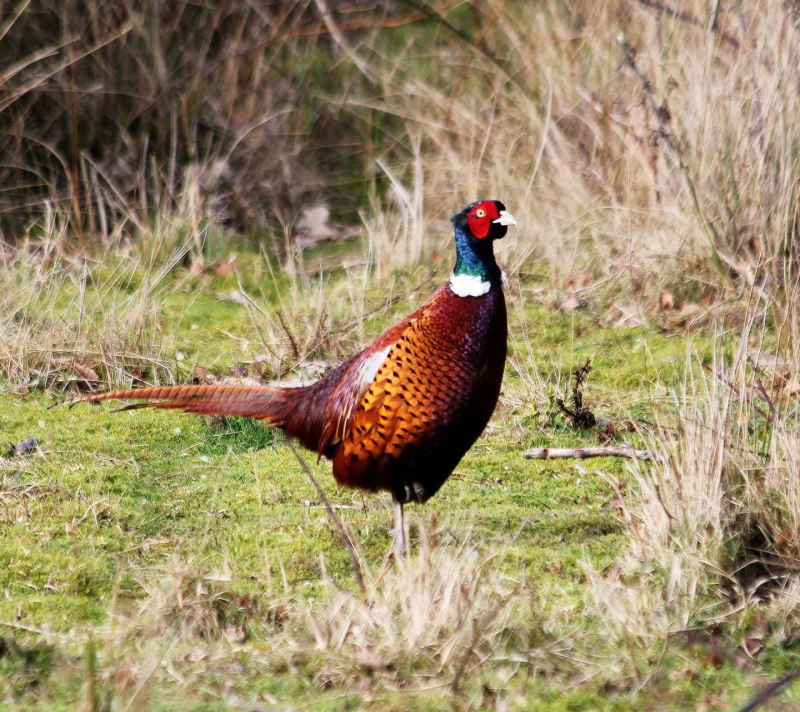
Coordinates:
[369,366]
[347,400]
[469,285]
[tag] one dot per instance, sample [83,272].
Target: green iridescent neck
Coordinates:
[475,258]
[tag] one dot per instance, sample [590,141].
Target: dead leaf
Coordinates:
[226,268]
[666,301]
[203,375]
[139,375]
[753,646]
[570,304]
[197,267]
[608,431]
[82,371]
[87,373]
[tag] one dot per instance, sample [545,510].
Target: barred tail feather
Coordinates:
[260,402]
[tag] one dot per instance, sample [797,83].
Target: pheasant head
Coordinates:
[476,228]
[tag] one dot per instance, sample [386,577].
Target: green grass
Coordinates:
[153,560]
[119,513]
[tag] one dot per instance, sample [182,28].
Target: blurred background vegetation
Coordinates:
[113,111]
[596,121]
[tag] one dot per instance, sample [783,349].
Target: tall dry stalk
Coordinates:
[712,521]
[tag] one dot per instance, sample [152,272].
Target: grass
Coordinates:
[198,564]
[159,164]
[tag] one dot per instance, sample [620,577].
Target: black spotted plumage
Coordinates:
[430,399]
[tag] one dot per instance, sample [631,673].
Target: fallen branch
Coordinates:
[770,691]
[582,453]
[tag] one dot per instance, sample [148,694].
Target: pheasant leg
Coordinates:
[400,548]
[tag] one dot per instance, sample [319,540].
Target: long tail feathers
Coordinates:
[260,402]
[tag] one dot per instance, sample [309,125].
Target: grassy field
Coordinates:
[228,192]
[156,560]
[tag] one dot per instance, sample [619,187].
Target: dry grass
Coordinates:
[93,319]
[699,195]
[678,161]
[396,233]
[440,613]
[435,620]
[672,169]
[712,522]
[107,108]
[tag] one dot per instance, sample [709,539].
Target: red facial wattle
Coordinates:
[481,217]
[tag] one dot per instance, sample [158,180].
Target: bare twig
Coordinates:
[338,527]
[583,453]
[768,692]
[580,416]
[662,117]
[341,40]
[688,17]
[478,45]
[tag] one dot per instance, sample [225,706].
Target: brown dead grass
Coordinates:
[712,522]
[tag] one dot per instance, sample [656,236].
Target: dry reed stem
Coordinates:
[338,527]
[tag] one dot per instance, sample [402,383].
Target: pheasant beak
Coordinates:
[505,218]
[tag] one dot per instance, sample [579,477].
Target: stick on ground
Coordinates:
[770,691]
[583,453]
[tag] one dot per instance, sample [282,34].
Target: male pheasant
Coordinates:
[400,414]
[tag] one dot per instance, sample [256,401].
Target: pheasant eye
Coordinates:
[480,213]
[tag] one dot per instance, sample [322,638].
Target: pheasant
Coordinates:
[400,414]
